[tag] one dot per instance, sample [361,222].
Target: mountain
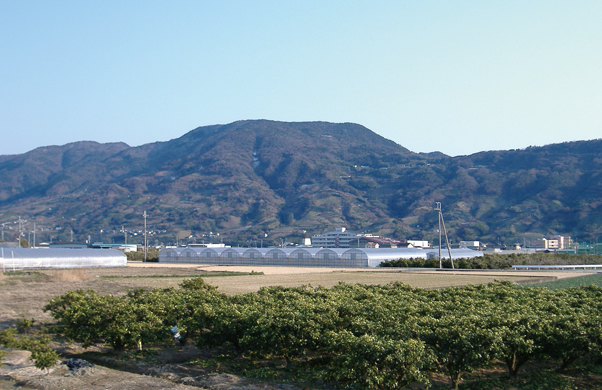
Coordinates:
[252,178]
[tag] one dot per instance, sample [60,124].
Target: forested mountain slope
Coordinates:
[254,177]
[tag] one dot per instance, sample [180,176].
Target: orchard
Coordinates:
[355,336]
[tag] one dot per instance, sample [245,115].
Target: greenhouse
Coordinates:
[12,259]
[302,256]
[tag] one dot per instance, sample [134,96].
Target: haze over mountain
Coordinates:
[249,178]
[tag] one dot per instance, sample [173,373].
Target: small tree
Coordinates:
[23,325]
[42,354]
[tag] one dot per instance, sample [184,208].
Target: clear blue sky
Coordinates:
[453,76]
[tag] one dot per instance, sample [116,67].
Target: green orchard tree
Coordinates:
[375,362]
[573,324]
[226,323]
[460,343]
[192,308]
[80,315]
[293,321]
[123,322]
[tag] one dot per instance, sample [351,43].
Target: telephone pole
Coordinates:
[145,215]
[19,237]
[442,223]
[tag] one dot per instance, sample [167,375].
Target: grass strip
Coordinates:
[20,273]
[586,280]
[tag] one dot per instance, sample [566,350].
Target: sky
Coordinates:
[452,76]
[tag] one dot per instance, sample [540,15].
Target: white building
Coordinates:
[339,238]
[208,245]
[419,244]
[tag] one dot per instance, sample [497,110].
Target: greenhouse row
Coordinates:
[302,257]
[12,259]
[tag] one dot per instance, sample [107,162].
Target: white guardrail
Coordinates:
[558,267]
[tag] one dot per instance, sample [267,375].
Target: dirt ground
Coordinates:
[18,372]
[22,374]
[23,295]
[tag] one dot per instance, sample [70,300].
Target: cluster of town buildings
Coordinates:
[337,248]
[341,238]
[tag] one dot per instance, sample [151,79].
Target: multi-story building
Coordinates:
[470,244]
[552,243]
[540,243]
[370,241]
[557,242]
[339,238]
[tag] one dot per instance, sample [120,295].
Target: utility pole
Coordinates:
[19,236]
[442,223]
[145,215]
[438,208]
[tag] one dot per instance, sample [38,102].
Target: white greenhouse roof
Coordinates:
[301,256]
[21,258]
[457,253]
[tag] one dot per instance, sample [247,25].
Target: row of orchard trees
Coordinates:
[372,337]
[497,261]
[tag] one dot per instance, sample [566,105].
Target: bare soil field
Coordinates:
[24,294]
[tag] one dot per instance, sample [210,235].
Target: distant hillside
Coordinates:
[249,178]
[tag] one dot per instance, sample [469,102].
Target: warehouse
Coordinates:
[301,256]
[12,259]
